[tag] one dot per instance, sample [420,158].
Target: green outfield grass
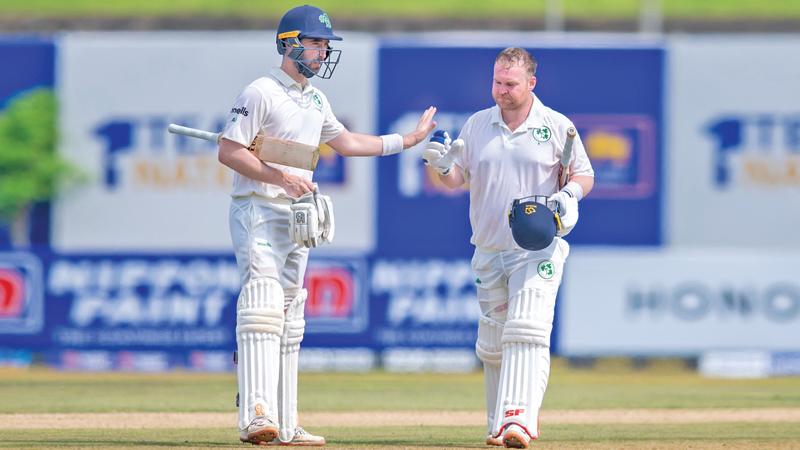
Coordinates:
[720,9]
[610,386]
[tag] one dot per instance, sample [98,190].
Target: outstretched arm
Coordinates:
[356,144]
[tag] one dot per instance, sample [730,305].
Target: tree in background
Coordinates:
[30,169]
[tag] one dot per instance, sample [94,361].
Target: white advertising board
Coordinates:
[154,192]
[625,302]
[733,152]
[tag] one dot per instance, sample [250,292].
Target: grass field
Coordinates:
[721,9]
[612,406]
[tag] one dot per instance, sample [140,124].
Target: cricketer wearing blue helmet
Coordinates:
[308,22]
[277,214]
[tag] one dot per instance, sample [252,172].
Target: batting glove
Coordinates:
[567,211]
[436,151]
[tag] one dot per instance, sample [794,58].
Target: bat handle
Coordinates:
[566,155]
[193,132]
[562,177]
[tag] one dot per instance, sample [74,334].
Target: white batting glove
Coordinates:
[435,154]
[567,211]
[311,222]
[325,214]
[304,221]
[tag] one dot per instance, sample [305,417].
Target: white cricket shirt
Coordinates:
[283,109]
[501,165]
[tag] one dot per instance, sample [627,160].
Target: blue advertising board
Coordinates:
[613,95]
[32,60]
[153,312]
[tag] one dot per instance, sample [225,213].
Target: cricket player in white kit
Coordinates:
[507,152]
[268,207]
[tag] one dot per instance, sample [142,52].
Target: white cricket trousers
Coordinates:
[269,324]
[260,234]
[517,293]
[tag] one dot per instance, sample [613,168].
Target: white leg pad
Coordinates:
[259,325]
[526,361]
[290,351]
[490,352]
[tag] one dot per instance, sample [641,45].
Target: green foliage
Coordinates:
[425,9]
[30,168]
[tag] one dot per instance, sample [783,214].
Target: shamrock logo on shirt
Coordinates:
[317,101]
[541,134]
[546,269]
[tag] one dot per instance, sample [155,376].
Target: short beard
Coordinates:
[512,104]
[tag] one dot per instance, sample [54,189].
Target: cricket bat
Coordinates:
[566,155]
[266,148]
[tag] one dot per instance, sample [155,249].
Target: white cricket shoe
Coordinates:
[491,440]
[516,437]
[302,438]
[261,430]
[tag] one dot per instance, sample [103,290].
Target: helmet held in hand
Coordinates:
[533,224]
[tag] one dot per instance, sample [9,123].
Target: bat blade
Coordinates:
[566,155]
[287,153]
[266,148]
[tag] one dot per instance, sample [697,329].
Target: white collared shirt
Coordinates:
[501,165]
[280,107]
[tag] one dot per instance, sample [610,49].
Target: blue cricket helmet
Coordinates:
[307,22]
[533,224]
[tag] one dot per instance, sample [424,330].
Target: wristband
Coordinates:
[574,190]
[392,143]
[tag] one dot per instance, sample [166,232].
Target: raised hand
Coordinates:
[425,125]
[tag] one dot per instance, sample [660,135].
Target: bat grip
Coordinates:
[193,132]
[566,155]
[563,177]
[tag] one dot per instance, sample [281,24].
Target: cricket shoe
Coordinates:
[261,431]
[302,438]
[516,437]
[491,440]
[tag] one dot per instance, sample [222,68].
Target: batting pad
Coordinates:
[489,350]
[259,325]
[526,361]
[290,352]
